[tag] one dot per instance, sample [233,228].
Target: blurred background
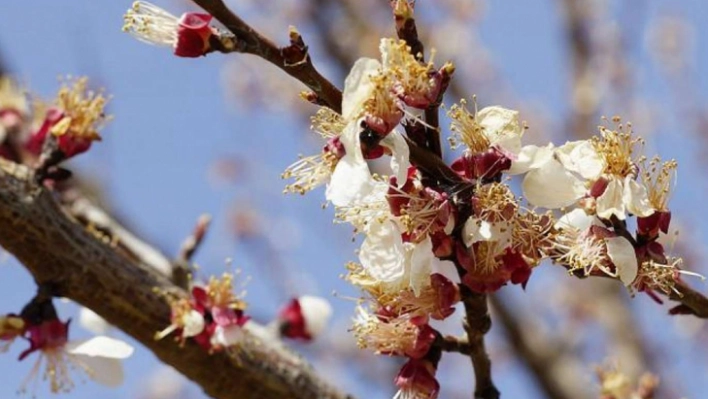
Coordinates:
[212,135]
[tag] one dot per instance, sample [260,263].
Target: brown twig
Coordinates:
[84,268]
[181,268]
[252,42]
[448,343]
[477,324]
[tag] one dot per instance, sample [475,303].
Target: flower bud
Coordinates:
[417,380]
[305,317]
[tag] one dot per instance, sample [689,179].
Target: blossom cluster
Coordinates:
[576,201]
[99,357]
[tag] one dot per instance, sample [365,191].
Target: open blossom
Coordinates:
[421,211]
[188,36]
[396,262]
[99,357]
[416,84]
[493,209]
[416,380]
[436,300]
[305,317]
[492,137]
[75,119]
[392,336]
[603,170]
[583,243]
[212,316]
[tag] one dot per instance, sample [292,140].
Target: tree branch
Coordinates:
[477,324]
[254,43]
[84,268]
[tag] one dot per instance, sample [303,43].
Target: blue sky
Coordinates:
[171,123]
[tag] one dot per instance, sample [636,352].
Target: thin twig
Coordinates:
[252,42]
[477,324]
[181,268]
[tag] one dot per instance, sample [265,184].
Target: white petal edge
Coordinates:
[91,321]
[100,346]
[622,254]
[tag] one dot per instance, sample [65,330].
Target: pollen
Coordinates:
[394,336]
[532,236]
[221,292]
[83,111]
[659,177]
[618,148]
[382,103]
[327,123]
[151,24]
[494,202]
[466,128]
[309,172]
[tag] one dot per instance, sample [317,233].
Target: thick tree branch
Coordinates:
[59,251]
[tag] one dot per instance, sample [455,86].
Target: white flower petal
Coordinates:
[576,219]
[622,254]
[350,182]
[636,198]
[530,157]
[580,157]
[400,155]
[193,324]
[611,201]
[358,86]
[317,311]
[551,186]
[502,127]
[228,336]
[100,346]
[103,370]
[421,259]
[382,253]
[96,324]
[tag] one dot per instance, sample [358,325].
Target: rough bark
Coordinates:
[60,252]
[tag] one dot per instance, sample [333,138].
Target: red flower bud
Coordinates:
[193,35]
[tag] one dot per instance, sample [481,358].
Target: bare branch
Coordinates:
[84,268]
[477,324]
[252,42]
